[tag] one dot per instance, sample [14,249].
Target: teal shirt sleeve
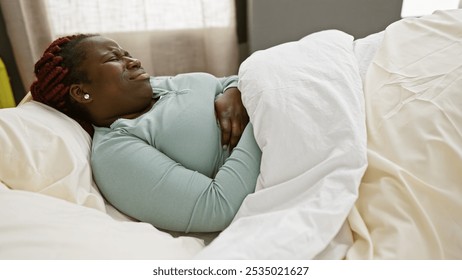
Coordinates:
[228,82]
[158,190]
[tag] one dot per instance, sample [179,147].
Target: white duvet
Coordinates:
[306,103]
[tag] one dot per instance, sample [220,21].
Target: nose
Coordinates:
[133,62]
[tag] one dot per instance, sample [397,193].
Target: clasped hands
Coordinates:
[231,116]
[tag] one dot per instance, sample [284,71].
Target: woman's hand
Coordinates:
[231,116]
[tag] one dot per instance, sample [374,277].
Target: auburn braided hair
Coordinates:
[56,71]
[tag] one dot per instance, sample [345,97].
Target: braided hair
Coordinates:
[56,71]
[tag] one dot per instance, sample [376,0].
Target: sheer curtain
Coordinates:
[168,36]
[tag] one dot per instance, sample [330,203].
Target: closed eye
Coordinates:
[127,54]
[112,58]
[117,55]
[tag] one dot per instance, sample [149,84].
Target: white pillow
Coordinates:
[35,226]
[44,151]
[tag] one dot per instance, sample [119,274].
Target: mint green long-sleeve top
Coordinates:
[168,167]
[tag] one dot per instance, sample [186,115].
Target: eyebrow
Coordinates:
[118,49]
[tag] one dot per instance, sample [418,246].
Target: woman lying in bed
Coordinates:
[159,154]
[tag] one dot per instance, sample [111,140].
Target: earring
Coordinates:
[86,96]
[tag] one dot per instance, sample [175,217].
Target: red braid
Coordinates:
[55,72]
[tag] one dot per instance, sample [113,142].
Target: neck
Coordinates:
[106,122]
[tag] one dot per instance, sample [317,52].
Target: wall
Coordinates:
[6,53]
[272,22]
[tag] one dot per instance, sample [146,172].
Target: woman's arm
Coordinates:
[149,186]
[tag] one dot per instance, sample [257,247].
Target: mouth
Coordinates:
[139,75]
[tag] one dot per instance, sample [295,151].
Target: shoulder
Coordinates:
[193,76]
[105,139]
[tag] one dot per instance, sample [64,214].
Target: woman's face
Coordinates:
[118,85]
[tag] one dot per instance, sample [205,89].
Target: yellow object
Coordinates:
[6,93]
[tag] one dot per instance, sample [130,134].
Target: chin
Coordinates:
[145,87]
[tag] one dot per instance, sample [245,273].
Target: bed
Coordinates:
[362,159]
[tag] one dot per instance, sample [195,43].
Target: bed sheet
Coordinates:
[38,226]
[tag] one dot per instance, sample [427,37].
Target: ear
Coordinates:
[78,94]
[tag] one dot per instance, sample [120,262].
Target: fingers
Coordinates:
[236,132]
[237,128]
[225,132]
[231,131]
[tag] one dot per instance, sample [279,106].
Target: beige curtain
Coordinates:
[172,48]
[29,33]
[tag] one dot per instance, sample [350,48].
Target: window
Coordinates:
[413,8]
[109,16]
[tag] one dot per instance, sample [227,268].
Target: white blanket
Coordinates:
[306,103]
[410,199]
